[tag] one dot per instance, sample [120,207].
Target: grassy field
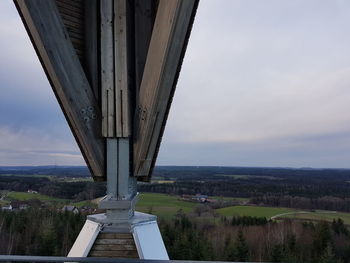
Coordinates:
[167,206]
[162,205]
[3,202]
[85,203]
[24,196]
[320,215]
[269,212]
[238,199]
[253,211]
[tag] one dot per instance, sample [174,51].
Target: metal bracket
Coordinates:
[88,113]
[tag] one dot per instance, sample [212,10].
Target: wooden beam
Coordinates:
[67,78]
[91,45]
[107,69]
[168,43]
[145,13]
[121,69]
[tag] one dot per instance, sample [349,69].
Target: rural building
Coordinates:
[70,208]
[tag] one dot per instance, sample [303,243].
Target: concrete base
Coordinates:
[145,238]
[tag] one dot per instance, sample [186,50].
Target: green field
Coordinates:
[253,211]
[85,203]
[320,215]
[24,196]
[224,198]
[3,202]
[269,212]
[167,206]
[162,204]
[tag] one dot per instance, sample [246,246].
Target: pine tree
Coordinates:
[328,256]
[240,251]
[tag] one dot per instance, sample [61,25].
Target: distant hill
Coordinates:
[185,172]
[67,171]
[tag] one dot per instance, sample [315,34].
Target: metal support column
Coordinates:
[121,186]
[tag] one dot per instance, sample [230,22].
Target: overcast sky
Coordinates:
[264,83]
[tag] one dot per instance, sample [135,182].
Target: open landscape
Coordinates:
[210,206]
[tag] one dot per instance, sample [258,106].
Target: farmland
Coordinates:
[253,211]
[163,205]
[318,215]
[24,196]
[166,206]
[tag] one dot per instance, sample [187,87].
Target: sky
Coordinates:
[263,83]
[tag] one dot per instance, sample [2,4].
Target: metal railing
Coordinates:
[13,258]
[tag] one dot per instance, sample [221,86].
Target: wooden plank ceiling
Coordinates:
[71,38]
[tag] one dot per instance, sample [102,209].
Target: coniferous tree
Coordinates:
[240,251]
[328,255]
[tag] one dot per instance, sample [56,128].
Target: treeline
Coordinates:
[78,191]
[287,241]
[70,171]
[38,232]
[219,181]
[49,232]
[325,202]
[252,187]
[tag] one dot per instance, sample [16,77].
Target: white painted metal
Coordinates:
[149,242]
[85,240]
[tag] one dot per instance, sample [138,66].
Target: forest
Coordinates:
[50,232]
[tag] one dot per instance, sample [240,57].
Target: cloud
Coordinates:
[260,73]
[328,150]
[35,147]
[263,83]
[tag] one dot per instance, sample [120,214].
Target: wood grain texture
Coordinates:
[73,17]
[114,245]
[104,235]
[107,69]
[91,45]
[62,66]
[166,50]
[121,69]
[114,254]
[114,241]
[145,13]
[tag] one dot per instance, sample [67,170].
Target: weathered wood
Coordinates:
[121,69]
[114,247]
[78,43]
[77,21]
[114,241]
[91,46]
[74,3]
[110,244]
[103,235]
[67,78]
[69,6]
[77,26]
[76,35]
[123,254]
[168,43]
[107,69]
[72,19]
[145,13]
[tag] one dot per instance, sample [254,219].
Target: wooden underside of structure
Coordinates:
[113,66]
